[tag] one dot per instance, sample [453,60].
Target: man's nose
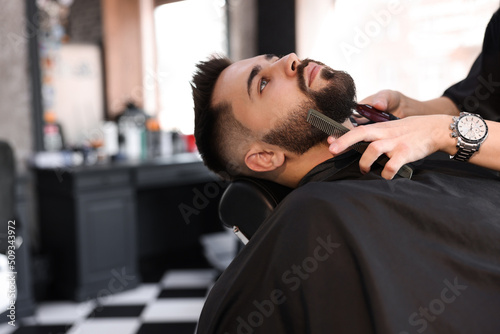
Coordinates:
[291,61]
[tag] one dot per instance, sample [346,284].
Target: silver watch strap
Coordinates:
[465,151]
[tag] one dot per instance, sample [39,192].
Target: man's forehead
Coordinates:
[233,78]
[246,64]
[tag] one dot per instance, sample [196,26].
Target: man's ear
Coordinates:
[264,158]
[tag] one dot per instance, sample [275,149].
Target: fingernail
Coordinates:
[333,148]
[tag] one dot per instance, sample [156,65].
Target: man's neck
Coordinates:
[297,167]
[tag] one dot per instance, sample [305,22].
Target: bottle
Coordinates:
[153,145]
[131,127]
[110,131]
[52,133]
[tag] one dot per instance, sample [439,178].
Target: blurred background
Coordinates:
[100,170]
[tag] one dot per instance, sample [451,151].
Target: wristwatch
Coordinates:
[471,131]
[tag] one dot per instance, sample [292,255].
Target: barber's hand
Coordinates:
[404,141]
[390,101]
[402,106]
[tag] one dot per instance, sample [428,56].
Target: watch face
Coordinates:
[472,128]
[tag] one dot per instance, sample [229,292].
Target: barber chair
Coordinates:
[247,202]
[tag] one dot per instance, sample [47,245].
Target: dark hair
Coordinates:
[215,127]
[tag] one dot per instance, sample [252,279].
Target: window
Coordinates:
[186,32]
[417,47]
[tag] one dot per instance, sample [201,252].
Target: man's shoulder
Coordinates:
[330,192]
[316,191]
[307,200]
[313,207]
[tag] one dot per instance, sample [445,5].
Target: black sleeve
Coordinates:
[479,92]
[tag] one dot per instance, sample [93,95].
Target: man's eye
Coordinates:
[263,84]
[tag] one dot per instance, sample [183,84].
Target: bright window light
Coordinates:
[186,32]
[417,47]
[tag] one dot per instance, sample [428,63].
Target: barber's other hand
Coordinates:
[402,106]
[390,101]
[403,141]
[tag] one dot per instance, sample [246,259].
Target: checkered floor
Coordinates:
[172,305]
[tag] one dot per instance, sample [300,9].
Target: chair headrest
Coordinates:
[247,202]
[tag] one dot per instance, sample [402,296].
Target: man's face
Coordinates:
[271,97]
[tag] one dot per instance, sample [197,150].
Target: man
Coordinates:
[262,103]
[249,117]
[360,253]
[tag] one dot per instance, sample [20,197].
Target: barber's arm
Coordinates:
[413,138]
[400,105]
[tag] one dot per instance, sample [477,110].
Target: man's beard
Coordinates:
[336,101]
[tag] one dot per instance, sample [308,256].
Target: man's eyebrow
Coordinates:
[255,70]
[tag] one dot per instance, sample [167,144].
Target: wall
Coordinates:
[261,26]
[276,27]
[85,22]
[122,60]
[242,29]
[15,89]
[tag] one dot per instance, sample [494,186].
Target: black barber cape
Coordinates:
[352,253]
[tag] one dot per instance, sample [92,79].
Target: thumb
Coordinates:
[378,100]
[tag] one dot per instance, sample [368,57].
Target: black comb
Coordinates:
[335,129]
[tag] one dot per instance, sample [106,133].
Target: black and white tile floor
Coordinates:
[166,303]
[171,305]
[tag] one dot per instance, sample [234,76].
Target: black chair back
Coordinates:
[247,202]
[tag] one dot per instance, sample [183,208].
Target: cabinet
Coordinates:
[88,229]
[90,225]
